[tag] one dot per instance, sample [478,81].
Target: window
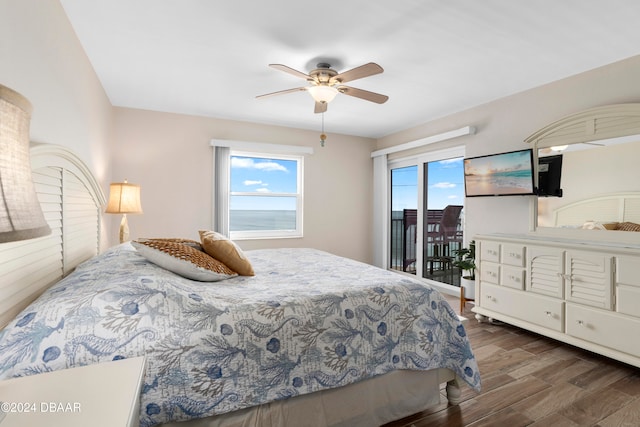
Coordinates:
[257,189]
[265,195]
[426,209]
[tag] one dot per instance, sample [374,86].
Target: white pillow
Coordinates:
[592,225]
[183,260]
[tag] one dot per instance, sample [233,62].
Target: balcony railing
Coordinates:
[442,236]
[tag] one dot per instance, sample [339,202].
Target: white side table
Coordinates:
[105,394]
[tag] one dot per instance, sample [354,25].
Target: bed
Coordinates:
[618,211]
[309,332]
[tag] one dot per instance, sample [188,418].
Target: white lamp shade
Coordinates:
[21,216]
[124,198]
[323,93]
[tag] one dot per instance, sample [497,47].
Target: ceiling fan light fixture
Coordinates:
[559,148]
[325,83]
[323,93]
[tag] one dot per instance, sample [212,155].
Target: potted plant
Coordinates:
[465,260]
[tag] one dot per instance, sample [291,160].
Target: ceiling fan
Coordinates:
[326,83]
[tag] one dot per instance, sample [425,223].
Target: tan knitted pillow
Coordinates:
[183,260]
[225,250]
[189,242]
[628,226]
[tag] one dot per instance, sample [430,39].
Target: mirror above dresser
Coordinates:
[600,151]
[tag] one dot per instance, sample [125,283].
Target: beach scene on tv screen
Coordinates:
[500,174]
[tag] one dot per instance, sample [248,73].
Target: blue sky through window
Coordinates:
[445,181]
[263,176]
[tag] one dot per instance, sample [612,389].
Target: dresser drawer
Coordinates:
[490,272]
[490,251]
[512,277]
[628,300]
[537,309]
[627,285]
[605,328]
[627,270]
[513,255]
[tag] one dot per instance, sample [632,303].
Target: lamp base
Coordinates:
[124,229]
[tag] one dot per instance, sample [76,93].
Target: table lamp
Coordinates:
[124,198]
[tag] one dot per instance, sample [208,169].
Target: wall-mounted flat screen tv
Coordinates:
[550,176]
[503,174]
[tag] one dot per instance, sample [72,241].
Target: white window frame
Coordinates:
[222,185]
[272,234]
[419,160]
[382,189]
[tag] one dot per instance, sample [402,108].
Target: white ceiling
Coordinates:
[210,57]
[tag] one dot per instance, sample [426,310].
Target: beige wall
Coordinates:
[502,125]
[170,157]
[41,58]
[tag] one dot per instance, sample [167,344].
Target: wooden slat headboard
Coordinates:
[72,201]
[618,207]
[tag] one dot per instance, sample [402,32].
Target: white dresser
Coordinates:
[586,294]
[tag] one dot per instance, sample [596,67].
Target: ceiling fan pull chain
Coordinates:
[323,136]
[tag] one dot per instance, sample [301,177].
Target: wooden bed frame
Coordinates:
[73,201]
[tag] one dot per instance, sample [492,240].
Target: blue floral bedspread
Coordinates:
[307,321]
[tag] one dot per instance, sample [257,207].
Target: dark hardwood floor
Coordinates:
[531,380]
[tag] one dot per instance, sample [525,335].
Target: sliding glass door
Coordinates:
[443,216]
[427,215]
[404,219]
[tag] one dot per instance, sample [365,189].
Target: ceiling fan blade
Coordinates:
[321,107]
[365,70]
[282,92]
[291,71]
[363,94]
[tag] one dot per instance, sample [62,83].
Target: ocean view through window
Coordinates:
[262,220]
[265,196]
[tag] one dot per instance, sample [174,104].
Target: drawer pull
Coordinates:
[548,313]
[580,322]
